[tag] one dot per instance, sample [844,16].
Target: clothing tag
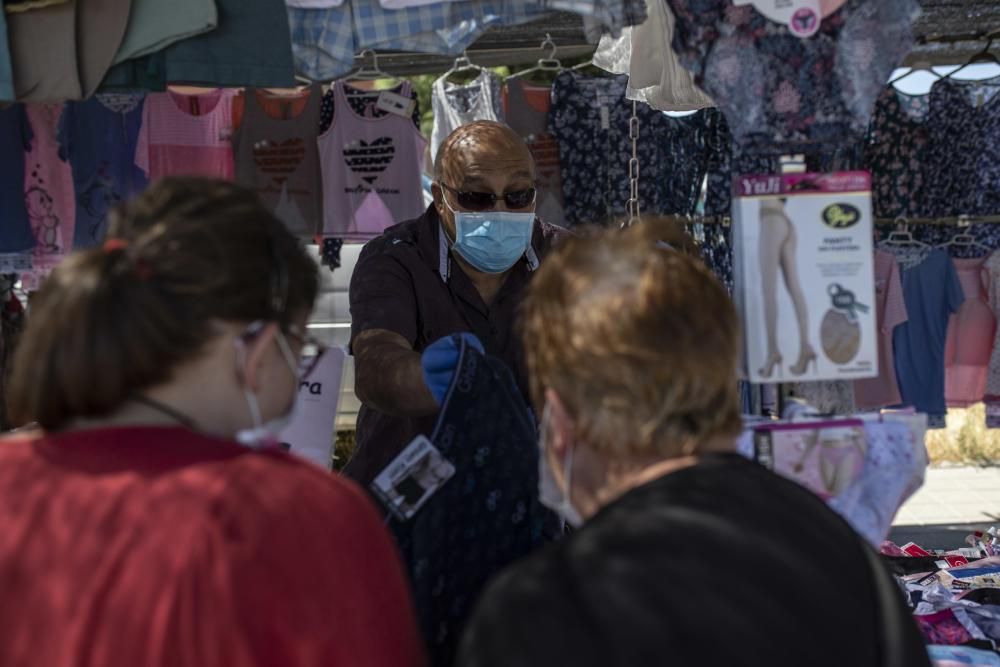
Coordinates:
[605,118]
[992,414]
[980,100]
[393,103]
[412,478]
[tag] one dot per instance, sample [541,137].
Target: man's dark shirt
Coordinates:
[398,286]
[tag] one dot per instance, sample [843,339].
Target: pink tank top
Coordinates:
[371,171]
[970,337]
[187,135]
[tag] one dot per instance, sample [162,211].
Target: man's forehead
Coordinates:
[484,162]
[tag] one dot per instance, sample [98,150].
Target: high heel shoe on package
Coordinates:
[806,361]
[773,362]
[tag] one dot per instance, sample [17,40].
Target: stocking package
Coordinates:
[805,276]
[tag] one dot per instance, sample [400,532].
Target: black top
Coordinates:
[723,563]
[397,286]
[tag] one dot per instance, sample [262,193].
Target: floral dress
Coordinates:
[963,161]
[590,120]
[896,154]
[782,94]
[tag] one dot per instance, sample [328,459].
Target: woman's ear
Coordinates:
[250,363]
[560,424]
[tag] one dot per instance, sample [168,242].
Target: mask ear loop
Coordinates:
[241,359]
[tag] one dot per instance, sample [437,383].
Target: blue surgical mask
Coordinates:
[492,241]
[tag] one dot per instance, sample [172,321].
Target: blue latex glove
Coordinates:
[440,361]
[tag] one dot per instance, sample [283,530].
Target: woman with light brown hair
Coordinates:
[136,531]
[685,553]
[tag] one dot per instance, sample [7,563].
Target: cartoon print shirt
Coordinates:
[48,191]
[99,138]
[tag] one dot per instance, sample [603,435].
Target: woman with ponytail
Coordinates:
[135,529]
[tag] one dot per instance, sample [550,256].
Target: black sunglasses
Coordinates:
[486,201]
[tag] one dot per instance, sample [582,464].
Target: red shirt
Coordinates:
[158,546]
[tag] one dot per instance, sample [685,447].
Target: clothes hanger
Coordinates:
[462,64]
[922,66]
[903,237]
[984,56]
[547,64]
[364,73]
[964,239]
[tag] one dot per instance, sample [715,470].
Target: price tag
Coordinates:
[992,413]
[412,478]
[394,103]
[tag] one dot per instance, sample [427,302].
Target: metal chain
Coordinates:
[633,168]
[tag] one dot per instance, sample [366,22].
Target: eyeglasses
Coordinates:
[486,201]
[311,354]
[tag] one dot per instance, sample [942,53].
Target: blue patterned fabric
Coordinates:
[962,172]
[324,41]
[726,160]
[590,119]
[487,515]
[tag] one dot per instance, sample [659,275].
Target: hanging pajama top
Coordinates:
[970,337]
[527,110]
[782,94]
[896,153]
[890,304]
[963,161]
[277,156]
[371,171]
[590,119]
[456,105]
[187,135]
[16,138]
[933,292]
[99,138]
[48,191]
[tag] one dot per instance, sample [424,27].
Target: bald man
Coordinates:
[462,267]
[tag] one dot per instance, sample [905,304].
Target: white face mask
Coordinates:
[549,493]
[266,434]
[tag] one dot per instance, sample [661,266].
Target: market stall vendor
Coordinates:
[460,268]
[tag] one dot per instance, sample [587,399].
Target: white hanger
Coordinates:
[462,64]
[363,73]
[964,239]
[903,237]
[547,64]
